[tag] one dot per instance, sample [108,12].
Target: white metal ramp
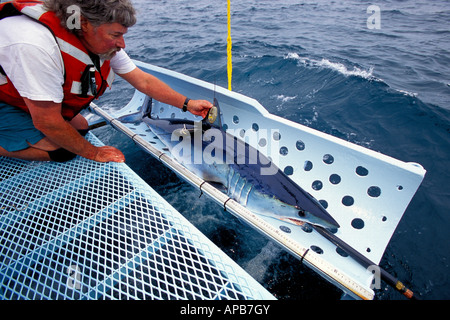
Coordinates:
[88,230]
[365,191]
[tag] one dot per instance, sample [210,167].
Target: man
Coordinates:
[55,58]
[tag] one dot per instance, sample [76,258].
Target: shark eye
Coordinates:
[301,213]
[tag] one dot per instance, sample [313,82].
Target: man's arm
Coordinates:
[47,118]
[155,88]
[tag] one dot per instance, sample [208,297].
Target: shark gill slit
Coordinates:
[239,187]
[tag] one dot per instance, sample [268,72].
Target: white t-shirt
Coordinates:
[31,58]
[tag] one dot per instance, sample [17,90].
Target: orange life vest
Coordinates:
[84,80]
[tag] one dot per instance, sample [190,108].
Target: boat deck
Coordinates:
[85,230]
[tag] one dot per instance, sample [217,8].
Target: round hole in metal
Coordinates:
[235,119]
[300,145]
[328,159]
[285,229]
[307,228]
[361,171]
[323,203]
[284,151]
[316,249]
[341,252]
[276,136]
[317,185]
[308,165]
[348,201]
[262,142]
[358,223]
[374,191]
[335,178]
[288,171]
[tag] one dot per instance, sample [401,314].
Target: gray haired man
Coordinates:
[56,56]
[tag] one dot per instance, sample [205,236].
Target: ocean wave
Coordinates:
[336,66]
[408,93]
[284,98]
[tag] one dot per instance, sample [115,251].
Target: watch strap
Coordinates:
[186,104]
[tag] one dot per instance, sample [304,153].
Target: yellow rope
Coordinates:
[229,44]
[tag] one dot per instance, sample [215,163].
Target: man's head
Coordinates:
[102,22]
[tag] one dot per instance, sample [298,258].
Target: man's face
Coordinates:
[104,40]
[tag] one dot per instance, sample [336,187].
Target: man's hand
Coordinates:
[47,118]
[199,107]
[108,154]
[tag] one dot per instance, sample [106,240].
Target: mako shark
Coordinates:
[233,166]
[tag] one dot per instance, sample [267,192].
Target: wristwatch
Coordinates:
[185,104]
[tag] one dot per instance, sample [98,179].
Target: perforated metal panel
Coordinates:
[87,230]
[365,191]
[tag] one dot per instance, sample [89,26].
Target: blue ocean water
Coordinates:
[322,64]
